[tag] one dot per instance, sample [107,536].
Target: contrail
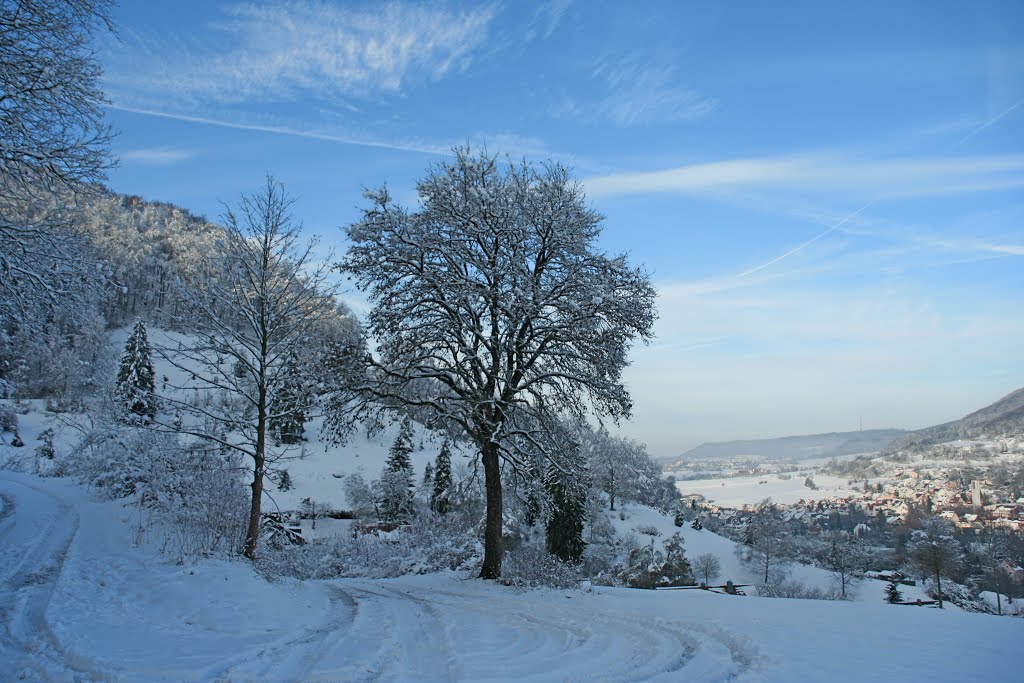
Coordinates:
[281,130]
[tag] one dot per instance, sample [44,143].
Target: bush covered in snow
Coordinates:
[649,567]
[532,566]
[194,493]
[432,543]
[784,587]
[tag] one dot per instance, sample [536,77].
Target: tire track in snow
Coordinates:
[583,642]
[396,636]
[36,532]
[295,658]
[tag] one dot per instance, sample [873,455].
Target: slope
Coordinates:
[796,447]
[1002,418]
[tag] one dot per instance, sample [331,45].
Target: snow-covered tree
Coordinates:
[766,544]
[53,145]
[359,496]
[395,490]
[707,566]
[845,559]
[935,551]
[394,494]
[893,594]
[439,502]
[622,468]
[288,408]
[567,497]
[135,386]
[266,303]
[399,456]
[491,303]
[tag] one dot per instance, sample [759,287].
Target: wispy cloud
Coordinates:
[277,51]
[638,93]
[546,19]
[157,156]
[825,174]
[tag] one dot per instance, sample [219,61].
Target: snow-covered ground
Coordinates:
[86,596]
[735,492]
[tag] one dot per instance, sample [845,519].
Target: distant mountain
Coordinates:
[1004,417]
[797,447]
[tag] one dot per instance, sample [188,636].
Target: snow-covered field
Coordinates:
[84,596]
[735,492]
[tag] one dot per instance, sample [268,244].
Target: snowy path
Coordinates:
[79,603]
[32,551]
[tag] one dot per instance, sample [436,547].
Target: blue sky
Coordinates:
[829,196]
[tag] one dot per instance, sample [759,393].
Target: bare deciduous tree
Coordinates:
[766,545]
[492,306]
[53,142]
[268,302]
[707,566]
[935,552]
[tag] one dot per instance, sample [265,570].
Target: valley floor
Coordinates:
[85,596]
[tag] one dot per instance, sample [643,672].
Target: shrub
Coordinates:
[8,419]
[531,566]
[792,588]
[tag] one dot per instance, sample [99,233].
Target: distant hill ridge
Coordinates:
[1002,418]
[797,447]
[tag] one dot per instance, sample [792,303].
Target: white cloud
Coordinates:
[638,93]
[156,156]
[546,19]
[275,51]
[825,174]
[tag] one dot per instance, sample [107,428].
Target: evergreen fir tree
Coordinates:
[428,475]
[136,381]
[284,481]
[399,457]
[677,567]
[396,486]
[892,593]
[287,413]
[394,495]
[442,480]
[568,497]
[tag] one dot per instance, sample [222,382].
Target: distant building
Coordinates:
[976,494]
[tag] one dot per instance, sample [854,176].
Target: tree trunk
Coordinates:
[252,534]
[493,549]
[938,586]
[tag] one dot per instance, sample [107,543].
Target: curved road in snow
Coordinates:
[367,630]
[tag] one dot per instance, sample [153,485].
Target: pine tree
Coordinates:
[442,480]
[136,379]
[396,485]
[287,412]
[394,495]
[428,475]
[399,457]
[568,497]
[676,569]
[892,593]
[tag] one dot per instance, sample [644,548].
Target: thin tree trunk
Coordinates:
[252,534]
[938,586]
[493,549]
